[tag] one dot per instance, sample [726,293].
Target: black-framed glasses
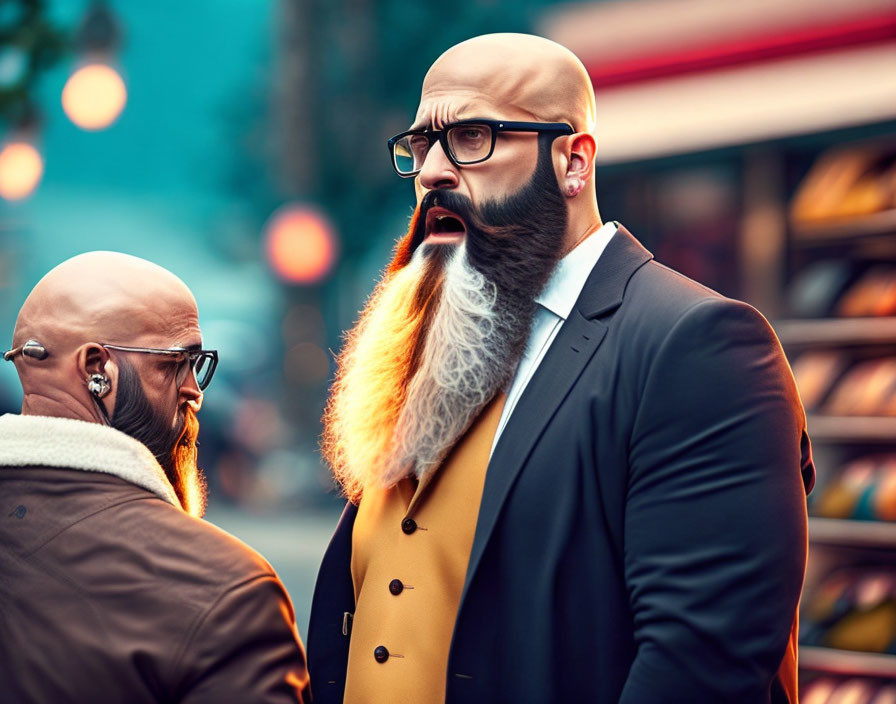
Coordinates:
[464,142]
[201,362]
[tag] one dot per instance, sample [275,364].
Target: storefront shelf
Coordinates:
[845,230]
[853,429]
[847,662]
[834,531]
[837,332]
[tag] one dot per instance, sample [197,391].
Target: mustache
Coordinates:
[416,232]
[458,204]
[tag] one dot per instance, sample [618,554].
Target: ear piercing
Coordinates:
[98,385]
[574,187]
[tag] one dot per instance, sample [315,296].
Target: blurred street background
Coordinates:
[242,145]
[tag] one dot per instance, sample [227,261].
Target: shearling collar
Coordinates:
[41,441]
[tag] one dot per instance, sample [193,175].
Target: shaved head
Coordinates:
[103,296]
[100,297]
[509,76]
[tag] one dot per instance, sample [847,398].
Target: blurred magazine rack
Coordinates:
[753,148]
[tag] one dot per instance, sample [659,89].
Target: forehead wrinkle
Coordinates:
[444,107]
[186,335]
[174,324]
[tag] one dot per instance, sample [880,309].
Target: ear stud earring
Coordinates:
[98,385]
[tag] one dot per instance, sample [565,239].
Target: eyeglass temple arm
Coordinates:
[147,350]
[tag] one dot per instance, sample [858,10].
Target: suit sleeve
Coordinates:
[715,527]
[247,649]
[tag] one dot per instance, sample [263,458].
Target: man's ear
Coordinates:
[92,358]
[581,149]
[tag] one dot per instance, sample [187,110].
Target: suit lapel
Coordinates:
[572,349]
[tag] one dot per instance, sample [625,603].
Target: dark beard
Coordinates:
[515,243]
[135,416]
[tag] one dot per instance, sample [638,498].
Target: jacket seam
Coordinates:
[112,504]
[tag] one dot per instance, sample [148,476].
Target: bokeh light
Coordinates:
[94,96]
[300,244]
[21,168]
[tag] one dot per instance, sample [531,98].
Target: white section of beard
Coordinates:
[461,367]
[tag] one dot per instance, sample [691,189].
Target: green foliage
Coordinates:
[26,31]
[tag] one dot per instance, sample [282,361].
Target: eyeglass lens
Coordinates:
[467,143]
[202,366]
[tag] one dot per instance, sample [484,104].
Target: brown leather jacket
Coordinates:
[110,594]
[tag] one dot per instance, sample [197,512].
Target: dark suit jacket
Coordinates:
[642,533]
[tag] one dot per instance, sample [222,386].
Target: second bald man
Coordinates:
[111,588]
[573,474]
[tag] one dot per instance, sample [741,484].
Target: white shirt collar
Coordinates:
[571,272]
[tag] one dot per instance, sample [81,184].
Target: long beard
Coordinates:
[441,335]
[468,355]
[174,447]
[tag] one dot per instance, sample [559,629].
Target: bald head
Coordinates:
[101,296]
[98,297]
[507,76]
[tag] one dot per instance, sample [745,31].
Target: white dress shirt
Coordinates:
[555,304]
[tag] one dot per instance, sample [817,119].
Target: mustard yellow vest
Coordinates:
[410,549]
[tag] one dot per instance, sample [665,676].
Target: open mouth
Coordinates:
[443,227]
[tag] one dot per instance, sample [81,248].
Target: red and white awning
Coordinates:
[674,76]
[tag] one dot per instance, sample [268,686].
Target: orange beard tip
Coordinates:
[403,251]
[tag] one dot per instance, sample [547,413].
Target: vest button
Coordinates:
[408,526]
[396,587]
[380,653]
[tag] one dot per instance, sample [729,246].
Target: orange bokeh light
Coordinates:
[94,96]
[21,168]
[300,244]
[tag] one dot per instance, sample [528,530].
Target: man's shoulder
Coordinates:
[174,535]
[669,287]
[660,301]
[627,279]
[125,523]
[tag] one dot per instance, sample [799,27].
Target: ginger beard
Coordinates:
[173,446]
[442,333]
